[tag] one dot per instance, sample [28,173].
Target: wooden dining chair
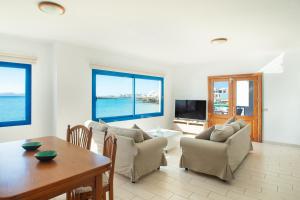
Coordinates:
[80,136]
[109,150]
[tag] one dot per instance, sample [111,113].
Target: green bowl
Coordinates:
[45,155]
[31,146]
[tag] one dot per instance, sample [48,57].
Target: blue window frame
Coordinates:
[15,94]
[118,96]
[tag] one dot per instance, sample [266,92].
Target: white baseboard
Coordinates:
[281,144]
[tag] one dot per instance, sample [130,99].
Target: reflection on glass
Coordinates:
[148,94]
[221,97]
[12,94]
[244,98]
[114,96]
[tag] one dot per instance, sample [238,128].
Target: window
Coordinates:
[118,96]
[221,97]
[15,94]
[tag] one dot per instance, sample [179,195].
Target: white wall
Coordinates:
[61,88]
[281,92]
[42,90]
[282,101]
[74,85]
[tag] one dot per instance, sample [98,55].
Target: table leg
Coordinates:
[98,190]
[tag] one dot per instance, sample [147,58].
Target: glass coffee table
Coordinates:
[171,135]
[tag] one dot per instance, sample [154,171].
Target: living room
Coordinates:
[169,40]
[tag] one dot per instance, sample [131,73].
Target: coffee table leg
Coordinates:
[98,190]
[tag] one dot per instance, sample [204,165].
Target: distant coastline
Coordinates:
[140,99]
[8,94]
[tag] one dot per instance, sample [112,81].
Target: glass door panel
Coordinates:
[221,97]
[244,97]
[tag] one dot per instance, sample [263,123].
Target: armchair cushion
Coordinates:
[232,119]
[100,126]
[242,123]
[221,134]
[135,134]
[145,135]
[235,125]
[205,135]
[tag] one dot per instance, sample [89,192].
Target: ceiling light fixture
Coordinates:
[51,8]
[221,40]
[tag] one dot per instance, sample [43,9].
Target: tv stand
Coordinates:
[189,126]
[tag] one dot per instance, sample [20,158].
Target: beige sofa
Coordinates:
[133,159]
[219,159]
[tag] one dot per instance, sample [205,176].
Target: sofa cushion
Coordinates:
[135,134]
[100,126]
[235,125]
[232,119]
[221,134]
[242,123]
[205,135]
[145,135]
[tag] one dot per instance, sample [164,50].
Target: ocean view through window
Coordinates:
[118,96]
[15,94]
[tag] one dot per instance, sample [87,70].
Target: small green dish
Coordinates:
[31,146]
[45,155]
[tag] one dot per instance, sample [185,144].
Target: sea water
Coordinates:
[123,106]
[12,108]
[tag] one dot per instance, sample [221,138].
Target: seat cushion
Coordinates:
[235,125]
[221,134]
[205,135]
[145,135]
[135,134]
[86,189]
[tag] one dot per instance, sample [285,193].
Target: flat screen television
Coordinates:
[190,109]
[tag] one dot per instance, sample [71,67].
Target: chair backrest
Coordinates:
[109,150]
[80,136]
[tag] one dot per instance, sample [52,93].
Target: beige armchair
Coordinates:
[135,160]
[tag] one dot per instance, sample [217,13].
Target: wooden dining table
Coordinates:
[22,176]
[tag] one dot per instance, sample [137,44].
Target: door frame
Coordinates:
[232,95]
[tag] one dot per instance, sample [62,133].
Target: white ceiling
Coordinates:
[168,31]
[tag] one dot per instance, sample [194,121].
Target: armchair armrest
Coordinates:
[152,145]
[239,146]
[150,156]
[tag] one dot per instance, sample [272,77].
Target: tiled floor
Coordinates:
[269,172]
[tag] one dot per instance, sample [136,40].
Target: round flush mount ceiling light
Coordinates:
[51,8]
[221,40]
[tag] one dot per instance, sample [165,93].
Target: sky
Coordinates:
[12,80]
[112,85]
[223,84]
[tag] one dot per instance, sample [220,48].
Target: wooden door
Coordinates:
[242,99]
[219,103]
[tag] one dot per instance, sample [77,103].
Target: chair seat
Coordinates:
[86,189]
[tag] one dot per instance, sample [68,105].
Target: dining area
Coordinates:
[46,167]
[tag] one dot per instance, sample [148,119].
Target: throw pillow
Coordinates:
[100,126]
[232,119]
[135,134]
[205,135]
[221,135]
[242,123]
[235,125]
[145,135]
